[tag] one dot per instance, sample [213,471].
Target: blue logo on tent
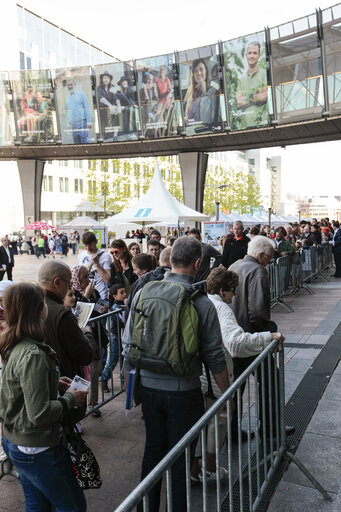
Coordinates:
[143,212]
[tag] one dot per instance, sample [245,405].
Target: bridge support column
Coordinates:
[31,177]
[193,172]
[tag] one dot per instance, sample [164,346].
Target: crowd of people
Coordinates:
[43,348]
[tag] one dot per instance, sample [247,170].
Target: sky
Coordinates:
[138,29]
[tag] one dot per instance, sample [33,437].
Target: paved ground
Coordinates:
[117,438]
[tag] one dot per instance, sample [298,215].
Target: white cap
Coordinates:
[4,285]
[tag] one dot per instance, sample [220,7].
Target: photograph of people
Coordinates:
[159,112]
[126,99]
[78,113]
[202,99]
[7,129]
[109,107]
[34,106]
[117,101]
[247,81]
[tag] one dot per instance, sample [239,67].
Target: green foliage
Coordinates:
[242,194]
[118,183]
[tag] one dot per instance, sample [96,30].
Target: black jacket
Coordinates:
[62,333]
[208,252]
[117,277]
[4,257]
[235,249]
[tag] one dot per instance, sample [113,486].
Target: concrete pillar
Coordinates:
[193,172]
[31,177]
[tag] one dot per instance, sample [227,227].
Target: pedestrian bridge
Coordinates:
[276,87]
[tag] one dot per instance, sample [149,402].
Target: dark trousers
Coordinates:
[337,259]
[168,415]
[240,364]
[9,273]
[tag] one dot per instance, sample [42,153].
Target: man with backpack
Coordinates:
[172,329]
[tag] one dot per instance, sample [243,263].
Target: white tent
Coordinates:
[84,222]
[156,206]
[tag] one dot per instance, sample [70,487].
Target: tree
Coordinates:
[99,193]
[241,195]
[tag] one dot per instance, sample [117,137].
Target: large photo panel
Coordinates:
[73,89]
[34,106]
[117,102]
[201,90]
[7,127]
[160,109]
[247,87]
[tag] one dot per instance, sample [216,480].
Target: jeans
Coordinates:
[47,479]
[168,415]
[113,358]
[73,248]
[80,133]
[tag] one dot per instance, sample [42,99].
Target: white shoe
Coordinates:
[211,475]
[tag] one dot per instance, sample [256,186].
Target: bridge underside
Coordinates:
[318,130]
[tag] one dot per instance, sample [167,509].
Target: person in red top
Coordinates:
[164,89]
[235,247]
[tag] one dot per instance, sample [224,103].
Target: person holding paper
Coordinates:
[29,408]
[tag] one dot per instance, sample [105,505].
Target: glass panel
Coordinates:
[34,38]
[246,81]
[160,110]
[7,129]
[20,13]
[75,106]
[117,101]
[35,107]
[332,42]
[52,50]
[96,56]
[202,90]
[300,25]
[82,53]
[68,44]
[297,77]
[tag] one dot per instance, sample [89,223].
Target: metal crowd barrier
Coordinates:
[250,467]
[107,320]
[289,274]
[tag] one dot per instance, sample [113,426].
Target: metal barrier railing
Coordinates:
[112,355]
[249,478]
[289,274]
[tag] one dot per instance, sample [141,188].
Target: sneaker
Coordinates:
[105,387]
[96,414]
[211,475]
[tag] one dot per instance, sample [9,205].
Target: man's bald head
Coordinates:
[52,269]
[165,257]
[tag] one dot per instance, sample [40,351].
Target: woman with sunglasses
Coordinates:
[121,267]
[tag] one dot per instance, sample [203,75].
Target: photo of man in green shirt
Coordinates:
[252,91]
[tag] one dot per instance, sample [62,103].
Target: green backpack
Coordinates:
[165,330]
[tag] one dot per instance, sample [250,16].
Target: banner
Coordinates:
[201,90]
[34,105]
[246,81]
[7,128]
[160,110]
[117,101]
[73,88]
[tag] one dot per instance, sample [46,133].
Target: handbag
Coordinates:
[84,463]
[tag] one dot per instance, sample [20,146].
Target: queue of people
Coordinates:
[41,340]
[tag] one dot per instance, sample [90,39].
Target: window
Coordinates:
[50,183]
[104,165]
[22,60]
[91,187]
[63,184]
[28,63]
[45,183]
[78,186]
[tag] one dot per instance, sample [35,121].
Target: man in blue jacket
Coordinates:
[78,113]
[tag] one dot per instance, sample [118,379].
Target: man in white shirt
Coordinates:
[97,262]
[6,260]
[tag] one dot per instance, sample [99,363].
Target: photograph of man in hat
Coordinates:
[109,107]
[125,97]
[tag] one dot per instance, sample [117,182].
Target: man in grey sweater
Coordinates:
[171,405]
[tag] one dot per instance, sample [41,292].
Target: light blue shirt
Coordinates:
[77,108]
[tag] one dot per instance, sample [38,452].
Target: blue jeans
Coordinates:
[168,415]
[47,479]
[80,133]
[113,358]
